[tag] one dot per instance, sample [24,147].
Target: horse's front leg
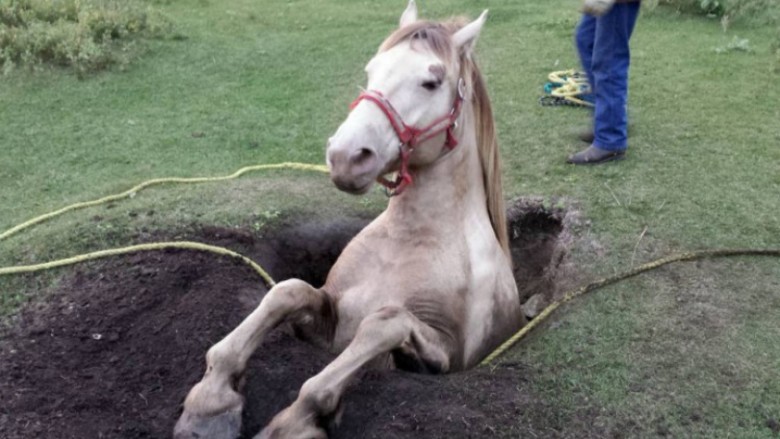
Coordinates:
[213,407]
[389,329]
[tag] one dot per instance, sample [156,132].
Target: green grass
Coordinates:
[688,350]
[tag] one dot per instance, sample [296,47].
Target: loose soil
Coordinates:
[113,349]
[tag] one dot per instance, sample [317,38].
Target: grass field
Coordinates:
[687,351]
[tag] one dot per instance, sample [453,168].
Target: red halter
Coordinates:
[411,136]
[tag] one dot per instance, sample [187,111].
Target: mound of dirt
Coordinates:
[112,351]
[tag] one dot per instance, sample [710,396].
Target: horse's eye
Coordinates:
[431,85]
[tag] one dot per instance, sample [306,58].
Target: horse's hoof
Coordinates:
[226,425]
[315,433]
[292,423]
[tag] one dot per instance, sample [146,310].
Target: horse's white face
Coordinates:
[420,86]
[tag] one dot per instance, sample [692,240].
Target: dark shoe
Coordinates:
[593,156]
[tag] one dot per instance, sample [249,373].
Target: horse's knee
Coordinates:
[294,289]
[293,284]
[292,294]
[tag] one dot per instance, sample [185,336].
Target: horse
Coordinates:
[427,286]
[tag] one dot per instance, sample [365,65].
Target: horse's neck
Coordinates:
[447,190]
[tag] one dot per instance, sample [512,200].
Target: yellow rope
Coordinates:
[571,86]
[689,256]
[187,245]
[155,246]
[157,181]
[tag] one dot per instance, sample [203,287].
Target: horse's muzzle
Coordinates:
[353,170]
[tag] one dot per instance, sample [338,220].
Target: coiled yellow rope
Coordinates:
[157,181]
[572,85]
[184,245]
[689,256]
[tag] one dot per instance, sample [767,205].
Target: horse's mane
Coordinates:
[437,37]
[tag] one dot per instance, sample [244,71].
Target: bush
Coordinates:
[87,35]
[764,11]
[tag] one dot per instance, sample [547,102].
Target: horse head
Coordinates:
[409,109]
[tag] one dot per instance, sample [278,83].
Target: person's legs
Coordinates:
[584,39]
[610,64]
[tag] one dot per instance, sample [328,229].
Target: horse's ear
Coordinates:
[465,38]
[410,14]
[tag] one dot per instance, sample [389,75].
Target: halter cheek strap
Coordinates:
[409,136]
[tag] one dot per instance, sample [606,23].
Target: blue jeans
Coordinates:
[602,44]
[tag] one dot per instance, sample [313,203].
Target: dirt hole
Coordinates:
[112,352]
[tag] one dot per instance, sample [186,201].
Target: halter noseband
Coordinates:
[410,137]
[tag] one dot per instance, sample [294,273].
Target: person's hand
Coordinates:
[597,7]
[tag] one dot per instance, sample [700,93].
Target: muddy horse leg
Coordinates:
[213,407]
[389,329]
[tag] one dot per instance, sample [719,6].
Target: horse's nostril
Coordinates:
[362,156]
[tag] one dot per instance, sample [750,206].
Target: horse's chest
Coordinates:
[427,275]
